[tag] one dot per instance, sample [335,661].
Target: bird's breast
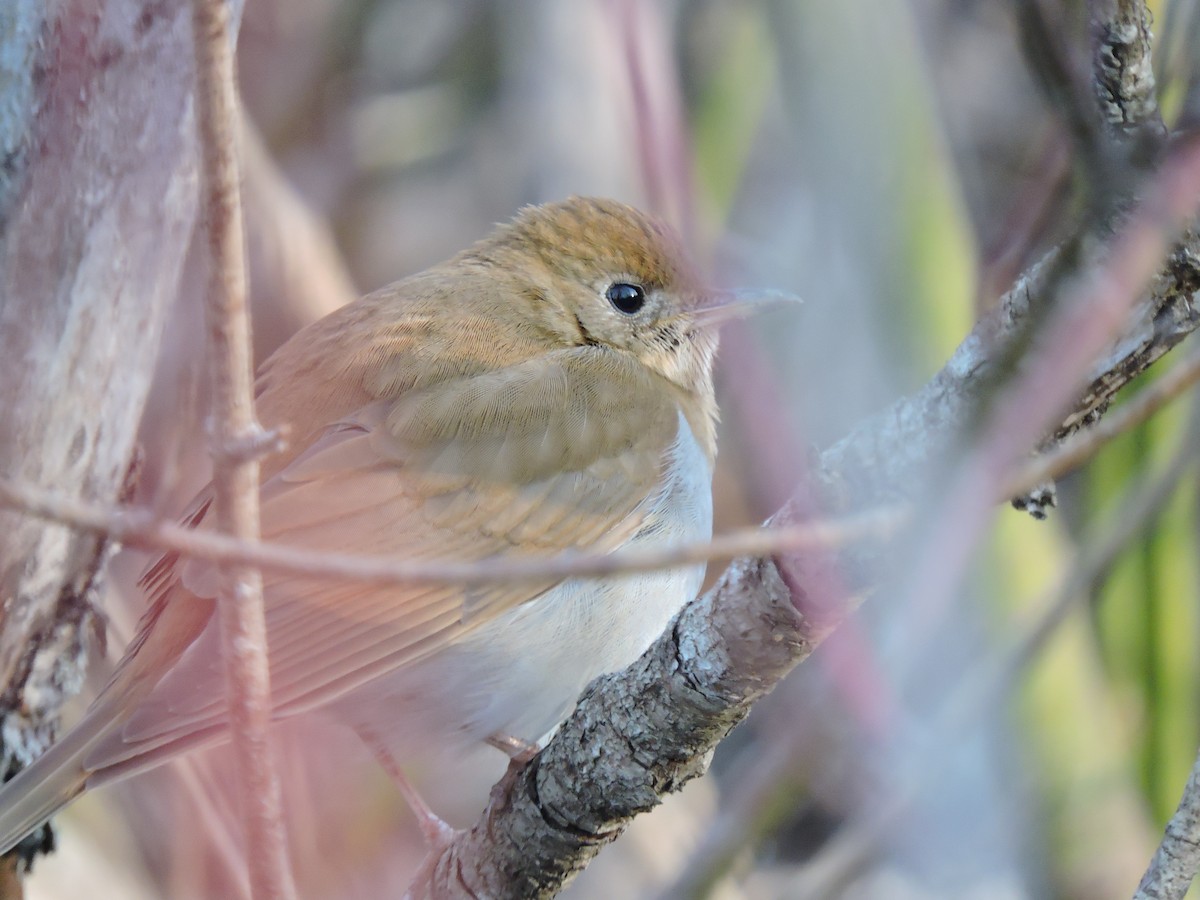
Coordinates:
[521,673]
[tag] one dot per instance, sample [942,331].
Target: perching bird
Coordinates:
[548,389]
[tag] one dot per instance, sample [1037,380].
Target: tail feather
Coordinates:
[53,780]
[86,755]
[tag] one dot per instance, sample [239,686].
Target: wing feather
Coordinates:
[559,453]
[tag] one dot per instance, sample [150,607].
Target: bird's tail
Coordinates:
[54,779]
[84,756]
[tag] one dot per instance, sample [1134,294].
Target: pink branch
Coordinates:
[237,442]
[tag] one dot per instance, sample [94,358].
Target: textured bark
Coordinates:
[97,204]
[634,736]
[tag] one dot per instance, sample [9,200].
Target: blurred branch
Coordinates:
[1032,215]
[986,692]
[1117,145]
[146,529]
[1135,511]
[238,440]
[1189,114]
[297,274]
[978,698]
[1051,67]
[660,132]
[885,456]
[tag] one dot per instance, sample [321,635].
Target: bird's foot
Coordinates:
[438,833]
[519,750]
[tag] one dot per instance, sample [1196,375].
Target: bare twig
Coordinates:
[146,529]
[237,438]
[886,456]
[1090,317]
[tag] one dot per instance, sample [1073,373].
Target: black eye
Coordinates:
[626,298]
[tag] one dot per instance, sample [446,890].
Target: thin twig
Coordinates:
[236,470]
[145,529]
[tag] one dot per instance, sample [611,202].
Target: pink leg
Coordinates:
[519,750]
[438,834]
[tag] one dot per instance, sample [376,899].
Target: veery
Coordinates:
[548,389]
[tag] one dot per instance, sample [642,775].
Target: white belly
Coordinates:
[521,673]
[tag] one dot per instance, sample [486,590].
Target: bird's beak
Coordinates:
[721,306]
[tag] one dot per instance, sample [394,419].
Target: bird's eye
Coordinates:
[626,298]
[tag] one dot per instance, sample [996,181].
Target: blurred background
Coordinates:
[893,162]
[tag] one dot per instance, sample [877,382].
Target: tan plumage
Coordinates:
[495,405]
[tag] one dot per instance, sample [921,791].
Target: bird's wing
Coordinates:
[561,453]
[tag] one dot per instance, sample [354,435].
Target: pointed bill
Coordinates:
[721,306]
